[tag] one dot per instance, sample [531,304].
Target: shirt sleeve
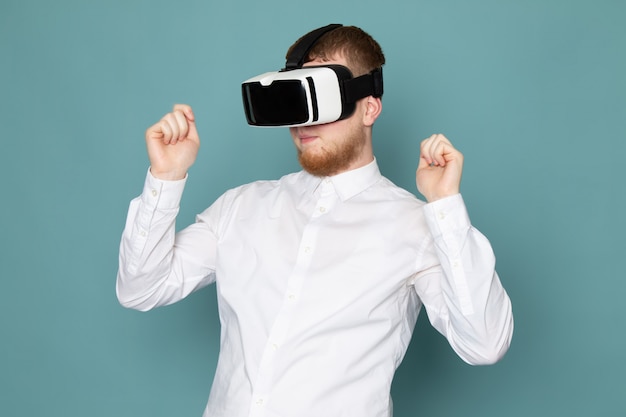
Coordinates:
[158,266]
[463,295]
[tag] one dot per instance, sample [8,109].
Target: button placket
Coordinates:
[278,332]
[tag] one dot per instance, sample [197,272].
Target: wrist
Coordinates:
[175,175]
[435,197]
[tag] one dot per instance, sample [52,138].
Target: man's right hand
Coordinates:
[173,144]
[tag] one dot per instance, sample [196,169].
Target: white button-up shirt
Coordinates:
[319,284]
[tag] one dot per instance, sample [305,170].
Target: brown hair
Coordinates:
[361,51]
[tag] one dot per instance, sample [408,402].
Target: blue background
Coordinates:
[532,92]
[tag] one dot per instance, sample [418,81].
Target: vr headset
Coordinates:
[302,96]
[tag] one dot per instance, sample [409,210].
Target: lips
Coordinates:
[304,134]
[307,139]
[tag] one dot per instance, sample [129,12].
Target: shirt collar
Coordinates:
[350,183]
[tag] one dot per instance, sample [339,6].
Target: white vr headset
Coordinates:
[297,96]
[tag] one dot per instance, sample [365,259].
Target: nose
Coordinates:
[303,131]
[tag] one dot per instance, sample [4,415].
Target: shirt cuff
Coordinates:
[447,215]
[160,194]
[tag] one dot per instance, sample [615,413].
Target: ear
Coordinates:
[373,108]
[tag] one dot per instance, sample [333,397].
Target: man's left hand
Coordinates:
[439,171]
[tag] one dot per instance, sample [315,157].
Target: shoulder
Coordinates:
[260,191]
[391,193]
[262,187]
[249,197]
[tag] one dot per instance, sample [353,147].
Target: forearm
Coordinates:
[474,310]
[151,257]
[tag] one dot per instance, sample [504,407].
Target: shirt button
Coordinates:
[307,249]
[154,193]
[291,297]
[442,215]
[322,209]
[274,346]
[142,233]
[259,402]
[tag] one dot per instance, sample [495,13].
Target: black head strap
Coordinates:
[363,86]
[301,49]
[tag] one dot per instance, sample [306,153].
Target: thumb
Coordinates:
[423,163]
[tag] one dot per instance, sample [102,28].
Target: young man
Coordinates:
[321,274]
